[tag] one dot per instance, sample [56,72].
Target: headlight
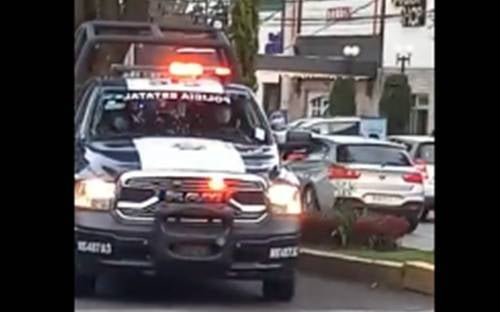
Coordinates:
[284,199]
[94,194]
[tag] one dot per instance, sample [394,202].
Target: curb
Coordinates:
[411,275]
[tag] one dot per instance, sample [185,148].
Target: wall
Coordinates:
[420,38]
[332,17]
[270,23]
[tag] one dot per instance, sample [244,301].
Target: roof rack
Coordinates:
[92,33]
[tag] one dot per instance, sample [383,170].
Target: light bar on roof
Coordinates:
[195,50]
[185,69]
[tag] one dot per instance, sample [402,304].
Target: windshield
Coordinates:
[372,155]
[426,153]
[230,117]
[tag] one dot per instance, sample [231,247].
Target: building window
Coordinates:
[419,115]
[420,100]
[318,106]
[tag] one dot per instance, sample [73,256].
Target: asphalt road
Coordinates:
[313,294]
[422,238]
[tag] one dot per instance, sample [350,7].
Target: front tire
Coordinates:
[310,200]
[279,288]
[85,285]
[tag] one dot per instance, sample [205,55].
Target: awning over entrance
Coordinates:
[317,66]
[324,46]
[323,55]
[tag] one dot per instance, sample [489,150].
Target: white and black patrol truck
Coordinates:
[182,176]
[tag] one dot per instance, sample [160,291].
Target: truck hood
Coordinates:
[111,158]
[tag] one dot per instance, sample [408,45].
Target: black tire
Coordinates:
[310,200]
[84,285]
[425,213]
[413,221]
[279,288]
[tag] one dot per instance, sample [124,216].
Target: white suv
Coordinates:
[377,175]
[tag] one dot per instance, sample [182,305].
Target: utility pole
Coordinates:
[382,32]
[299,17]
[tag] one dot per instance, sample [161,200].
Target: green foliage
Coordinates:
[244,34]
[395,103]
[346,217]
[342,98]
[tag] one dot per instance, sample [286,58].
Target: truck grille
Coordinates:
[140,196]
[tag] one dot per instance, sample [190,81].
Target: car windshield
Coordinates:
[372,154]
[233,117]
[426,152]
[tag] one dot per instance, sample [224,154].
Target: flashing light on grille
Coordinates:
[216,184]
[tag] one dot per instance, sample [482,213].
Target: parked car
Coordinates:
[421,149]
[372,127]
[310,164]
[377,175]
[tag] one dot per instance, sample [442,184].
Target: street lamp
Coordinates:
[351,51]
[403,56]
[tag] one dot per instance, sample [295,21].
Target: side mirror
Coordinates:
[316,131]
[277,127]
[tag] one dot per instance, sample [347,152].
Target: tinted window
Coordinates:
[315,152]
[372,154]
[230,117]
[426,152]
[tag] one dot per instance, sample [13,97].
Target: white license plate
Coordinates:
[383,199]
[283,252]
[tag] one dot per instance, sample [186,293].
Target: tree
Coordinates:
[395,103]
[244,34]
[342,98]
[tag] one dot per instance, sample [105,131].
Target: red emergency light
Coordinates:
[196,70]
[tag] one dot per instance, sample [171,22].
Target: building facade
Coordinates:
[313,35]
[298,74]
[410,24]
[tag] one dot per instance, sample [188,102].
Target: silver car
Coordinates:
[311,164]
[376,175]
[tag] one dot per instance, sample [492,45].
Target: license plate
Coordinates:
[193,250]
[283,252]
[94,247]
[383,199]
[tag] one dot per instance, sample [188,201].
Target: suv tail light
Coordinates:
[414,177]
[340,172]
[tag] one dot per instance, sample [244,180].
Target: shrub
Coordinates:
[379,231]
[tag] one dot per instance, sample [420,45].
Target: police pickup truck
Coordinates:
[177,175]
